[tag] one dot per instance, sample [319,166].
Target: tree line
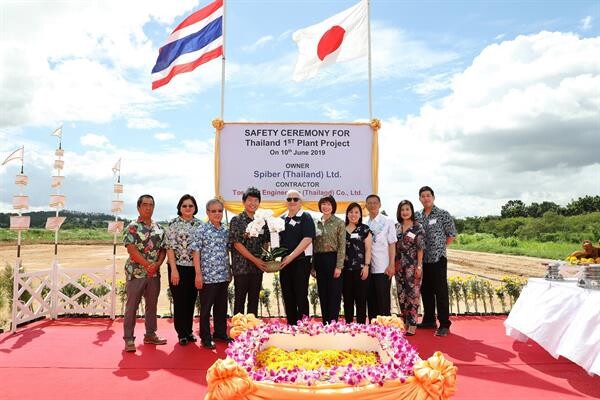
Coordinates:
[544,222]
[75,219]
[583,205]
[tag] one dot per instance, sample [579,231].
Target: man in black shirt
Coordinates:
[297,236]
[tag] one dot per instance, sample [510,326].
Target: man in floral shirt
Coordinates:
[247,265]
[439,234]
[211,261]
[144,240]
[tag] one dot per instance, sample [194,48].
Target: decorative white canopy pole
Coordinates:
[18,222]
[57,201]
[115,227]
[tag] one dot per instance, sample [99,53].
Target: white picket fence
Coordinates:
[58,291]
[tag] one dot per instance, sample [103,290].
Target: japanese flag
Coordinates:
[342,37]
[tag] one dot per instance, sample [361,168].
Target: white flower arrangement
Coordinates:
[274,224]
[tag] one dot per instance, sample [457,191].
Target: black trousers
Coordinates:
[355,293]
[247,286]
[213,296]
[379,300]
[330,289]
[434,292]
[184,300]
[294,289]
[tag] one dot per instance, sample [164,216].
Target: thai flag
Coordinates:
[197,40]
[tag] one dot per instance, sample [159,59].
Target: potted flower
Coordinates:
[273,258]
[274,253]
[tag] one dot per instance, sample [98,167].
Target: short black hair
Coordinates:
[184,198]
[373,195]
[251,192]
[142,197]
[328,199]
[350,207]
[412,210]
[426,189]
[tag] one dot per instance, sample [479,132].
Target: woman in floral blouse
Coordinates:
[182,276]
[409,264]
[356,265]
[330,251]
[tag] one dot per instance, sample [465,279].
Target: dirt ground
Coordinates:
[493,266]
[461,263]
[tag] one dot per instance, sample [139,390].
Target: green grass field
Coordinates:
[65,235]
[489,244]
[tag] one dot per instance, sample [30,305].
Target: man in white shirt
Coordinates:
[382,259]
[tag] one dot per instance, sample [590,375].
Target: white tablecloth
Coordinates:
[562,318]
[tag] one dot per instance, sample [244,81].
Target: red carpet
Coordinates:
[82,359]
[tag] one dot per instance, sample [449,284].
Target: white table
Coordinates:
[562,318]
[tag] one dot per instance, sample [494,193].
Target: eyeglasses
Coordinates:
[294,199]
[215,211]
[187,206]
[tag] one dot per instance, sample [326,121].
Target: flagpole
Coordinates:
[223,62]
[369,57]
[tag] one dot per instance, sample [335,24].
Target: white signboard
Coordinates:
[317,159]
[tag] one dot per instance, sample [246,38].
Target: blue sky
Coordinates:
[484,101]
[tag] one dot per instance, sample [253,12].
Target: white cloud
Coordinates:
[145,123]
[586,23]
[85,61]
[93,140]
[333,113]
[163,136]
[261,42]
[90,189]
[433,84]
[520,122]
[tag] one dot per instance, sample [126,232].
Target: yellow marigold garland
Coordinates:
[275,358]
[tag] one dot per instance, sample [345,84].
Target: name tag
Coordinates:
[354,236]
[432,221]
[293,222]
[410,235]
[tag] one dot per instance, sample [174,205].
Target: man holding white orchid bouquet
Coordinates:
[247,265]
[296,237]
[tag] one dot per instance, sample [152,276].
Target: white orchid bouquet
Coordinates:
[275,225]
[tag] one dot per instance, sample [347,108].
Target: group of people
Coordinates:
[350,258]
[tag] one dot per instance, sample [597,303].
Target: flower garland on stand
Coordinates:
[398,374]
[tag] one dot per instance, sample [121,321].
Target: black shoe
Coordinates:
[224,338]
[209,345]
[442,331]
[191,338]
[427,325]
[183,341]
